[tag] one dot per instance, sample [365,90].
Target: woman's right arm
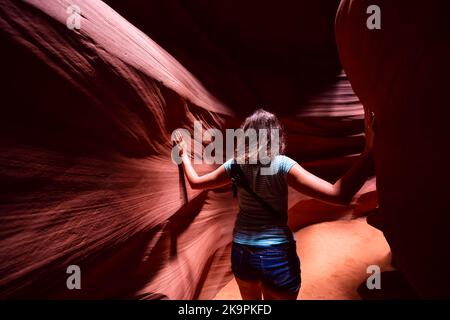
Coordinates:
[341,192]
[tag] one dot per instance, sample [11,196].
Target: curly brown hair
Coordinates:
[262,119]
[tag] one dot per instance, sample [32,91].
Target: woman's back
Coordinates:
[255,225]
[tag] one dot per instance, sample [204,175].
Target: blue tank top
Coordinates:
[256,226]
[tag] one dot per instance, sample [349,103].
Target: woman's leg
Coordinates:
[250,290]
[281,272]
[243,261]
[270,294]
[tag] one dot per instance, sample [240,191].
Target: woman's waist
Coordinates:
[258,218]
[265,229]
[263,235]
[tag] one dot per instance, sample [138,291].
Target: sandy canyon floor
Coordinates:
[334,259]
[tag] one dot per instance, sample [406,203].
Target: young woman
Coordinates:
[264,257]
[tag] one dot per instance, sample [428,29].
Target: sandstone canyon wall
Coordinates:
[85,169]
[401,73]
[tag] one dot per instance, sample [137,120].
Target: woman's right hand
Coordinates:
[369,130]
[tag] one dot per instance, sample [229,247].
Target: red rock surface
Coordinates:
[401,73]
[85,139]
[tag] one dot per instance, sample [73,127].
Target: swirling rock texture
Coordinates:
[85,169]
[400,72]
[86,172]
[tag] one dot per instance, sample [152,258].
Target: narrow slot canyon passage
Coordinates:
[93,90]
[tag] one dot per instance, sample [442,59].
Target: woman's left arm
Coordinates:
[214,179]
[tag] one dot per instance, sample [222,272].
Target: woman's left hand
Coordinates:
[179,142]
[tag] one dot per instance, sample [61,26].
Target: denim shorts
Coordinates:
[276,266]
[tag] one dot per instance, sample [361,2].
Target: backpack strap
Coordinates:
[239,179]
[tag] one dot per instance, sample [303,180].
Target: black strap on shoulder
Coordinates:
[239,180]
